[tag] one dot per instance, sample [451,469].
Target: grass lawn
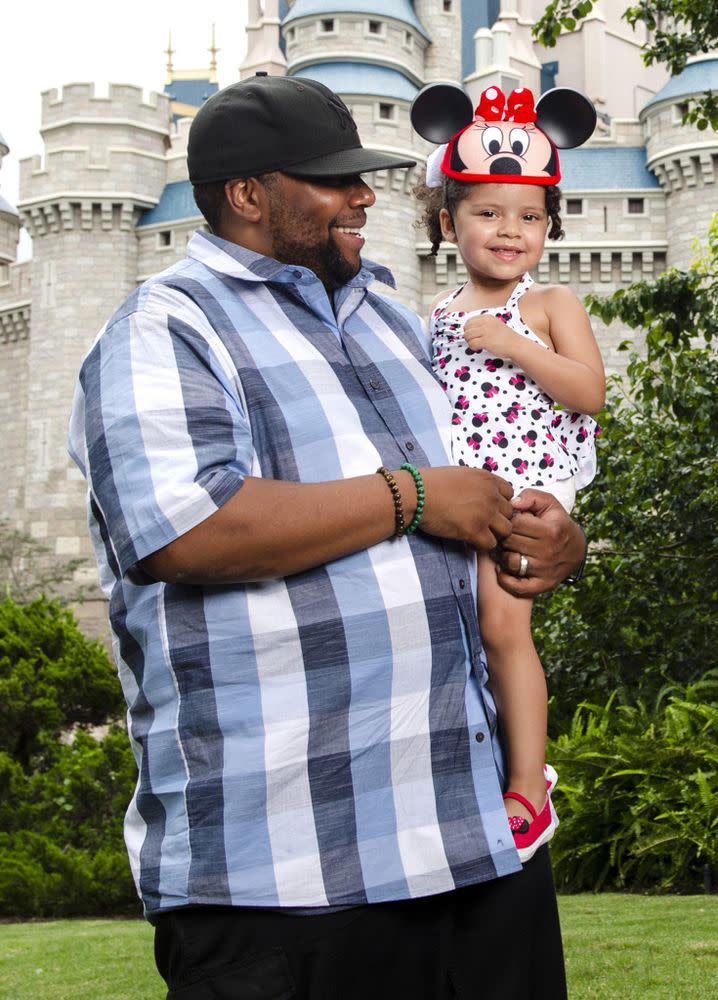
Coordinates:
[618,947]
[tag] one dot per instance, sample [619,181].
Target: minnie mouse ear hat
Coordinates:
[267,123]
[503,140]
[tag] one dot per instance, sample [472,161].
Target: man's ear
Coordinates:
[244,198]
[447,225]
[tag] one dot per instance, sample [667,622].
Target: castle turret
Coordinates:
[9,225]
[442,21]
[683,158]
[103,165]
[371,52]
[264,52]
[14,330]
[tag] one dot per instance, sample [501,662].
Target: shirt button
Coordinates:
[297,274]
[409,445]
[479,737]
[462,584]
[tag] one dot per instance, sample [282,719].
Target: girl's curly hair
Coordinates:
[452,192]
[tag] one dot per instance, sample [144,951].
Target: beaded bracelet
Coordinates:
[419,483]
[399,522]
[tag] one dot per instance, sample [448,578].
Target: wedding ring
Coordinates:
[523,565]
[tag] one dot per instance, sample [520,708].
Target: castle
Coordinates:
[108,203]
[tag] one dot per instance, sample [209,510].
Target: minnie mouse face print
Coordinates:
[504,140]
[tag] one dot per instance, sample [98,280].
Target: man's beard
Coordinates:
[323,258]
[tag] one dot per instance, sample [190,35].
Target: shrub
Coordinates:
[638,793]
[61,847]
[51,678]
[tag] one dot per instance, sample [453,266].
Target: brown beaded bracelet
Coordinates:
[399,522]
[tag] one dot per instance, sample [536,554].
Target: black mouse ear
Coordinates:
[566,116]
[440,110]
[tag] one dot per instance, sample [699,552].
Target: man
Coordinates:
[318,811]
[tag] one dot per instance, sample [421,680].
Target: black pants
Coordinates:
[499,940]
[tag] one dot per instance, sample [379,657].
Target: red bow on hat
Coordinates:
[493,106]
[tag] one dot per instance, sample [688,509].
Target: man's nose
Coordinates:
[361,194]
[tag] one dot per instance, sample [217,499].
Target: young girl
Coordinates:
[522,369]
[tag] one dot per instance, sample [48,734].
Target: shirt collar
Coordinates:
[238,262]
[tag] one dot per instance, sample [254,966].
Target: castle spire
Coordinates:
[169,52]
[213,50]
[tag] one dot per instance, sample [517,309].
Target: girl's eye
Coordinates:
[519,141]
[491,139]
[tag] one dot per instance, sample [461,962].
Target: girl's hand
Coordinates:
[488,333]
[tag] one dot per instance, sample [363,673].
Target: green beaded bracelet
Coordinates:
[419,483]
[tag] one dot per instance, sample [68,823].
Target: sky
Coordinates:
[48,43]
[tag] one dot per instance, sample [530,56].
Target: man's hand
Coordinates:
[488,333]
[545,535]
[469,505]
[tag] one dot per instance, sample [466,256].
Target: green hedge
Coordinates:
[61,847]
[638,793]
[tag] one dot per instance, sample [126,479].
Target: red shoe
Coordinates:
[528,837]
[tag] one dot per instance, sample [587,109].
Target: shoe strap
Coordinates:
[523,800]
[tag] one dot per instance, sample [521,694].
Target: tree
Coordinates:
[679,29]
[63,791]
[646,613]
[52,678]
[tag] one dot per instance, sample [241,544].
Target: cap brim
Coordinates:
[346,162]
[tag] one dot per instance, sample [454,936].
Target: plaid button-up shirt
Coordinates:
[321,740]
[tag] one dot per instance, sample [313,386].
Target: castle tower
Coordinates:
[104,163]
[264,53]
[9,225]
[373,55]
[442,21]
[684,158]
[14,329]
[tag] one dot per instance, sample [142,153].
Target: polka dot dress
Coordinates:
[503,421]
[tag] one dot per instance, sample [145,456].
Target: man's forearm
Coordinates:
[271,529]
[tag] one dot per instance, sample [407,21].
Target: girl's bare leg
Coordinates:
[518,685]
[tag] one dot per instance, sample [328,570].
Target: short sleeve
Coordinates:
[167,442]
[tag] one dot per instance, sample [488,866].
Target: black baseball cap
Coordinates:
[286,123]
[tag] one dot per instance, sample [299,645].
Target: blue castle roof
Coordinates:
[361,78]
[616,168]
[696,78]
[192,92]
[400,10]
[177,203]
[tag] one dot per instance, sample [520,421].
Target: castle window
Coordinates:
[447,6]
[679,112]
[326,25]
[164,238]
[636,206]
[376,28]
[290,34]
[387,112]
[408,40]
[574,206]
